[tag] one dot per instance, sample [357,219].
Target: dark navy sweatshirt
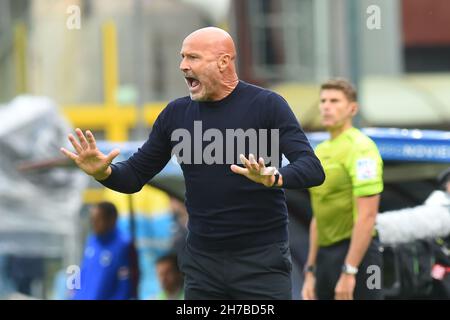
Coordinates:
[226,210]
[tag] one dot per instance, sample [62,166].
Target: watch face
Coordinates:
[349,269]
[310,269]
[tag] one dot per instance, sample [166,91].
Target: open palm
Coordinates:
[87,157]
[255,171]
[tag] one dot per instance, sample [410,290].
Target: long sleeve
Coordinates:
[131,175]
[305,169]
[123,288]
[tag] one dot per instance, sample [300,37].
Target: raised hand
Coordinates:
[255,171]
[87,156]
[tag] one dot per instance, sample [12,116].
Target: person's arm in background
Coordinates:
[126,176]
[361,238]
[309,285]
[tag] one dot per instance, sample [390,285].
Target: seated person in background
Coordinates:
[170,278]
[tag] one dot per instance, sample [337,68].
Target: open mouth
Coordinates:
[192,82]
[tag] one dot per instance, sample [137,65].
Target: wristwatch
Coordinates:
[309,268]
[349,269]
[277,177]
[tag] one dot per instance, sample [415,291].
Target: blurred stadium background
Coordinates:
[116,72]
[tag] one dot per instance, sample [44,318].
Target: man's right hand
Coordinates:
[308,290]
[88,158]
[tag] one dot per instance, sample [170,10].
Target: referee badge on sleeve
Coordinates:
[366,169]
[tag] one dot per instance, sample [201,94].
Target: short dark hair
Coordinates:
[443,178]
[342,85]
[108,209]
[169,257]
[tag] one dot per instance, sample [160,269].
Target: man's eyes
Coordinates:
[189,57]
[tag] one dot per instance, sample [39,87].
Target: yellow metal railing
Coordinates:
[115,120]
[20,61]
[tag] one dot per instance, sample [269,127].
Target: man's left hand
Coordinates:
[345,287]
[255,171]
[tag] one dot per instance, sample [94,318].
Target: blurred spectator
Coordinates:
[154,236]
[105,270]
[181,218]
[170,278]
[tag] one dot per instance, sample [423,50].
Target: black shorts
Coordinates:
[329,267]
[258,273]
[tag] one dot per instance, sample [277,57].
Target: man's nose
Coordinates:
[183,65]
[324,106]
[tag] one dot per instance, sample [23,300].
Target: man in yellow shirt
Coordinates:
[344,250]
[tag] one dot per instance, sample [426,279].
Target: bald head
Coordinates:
[208,63]
[217,40]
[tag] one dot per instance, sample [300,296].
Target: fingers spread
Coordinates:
[110,157]
[69,154]
[261,162]
[75,143]
[263,170]
[254,165]
[268,171]
[245,161]
[91,140]
[239,170]
[82,138]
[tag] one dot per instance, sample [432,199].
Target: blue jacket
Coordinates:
[105,270]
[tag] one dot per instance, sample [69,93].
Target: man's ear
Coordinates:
[354,108]
[223,62]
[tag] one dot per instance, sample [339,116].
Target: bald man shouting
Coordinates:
[222,134]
